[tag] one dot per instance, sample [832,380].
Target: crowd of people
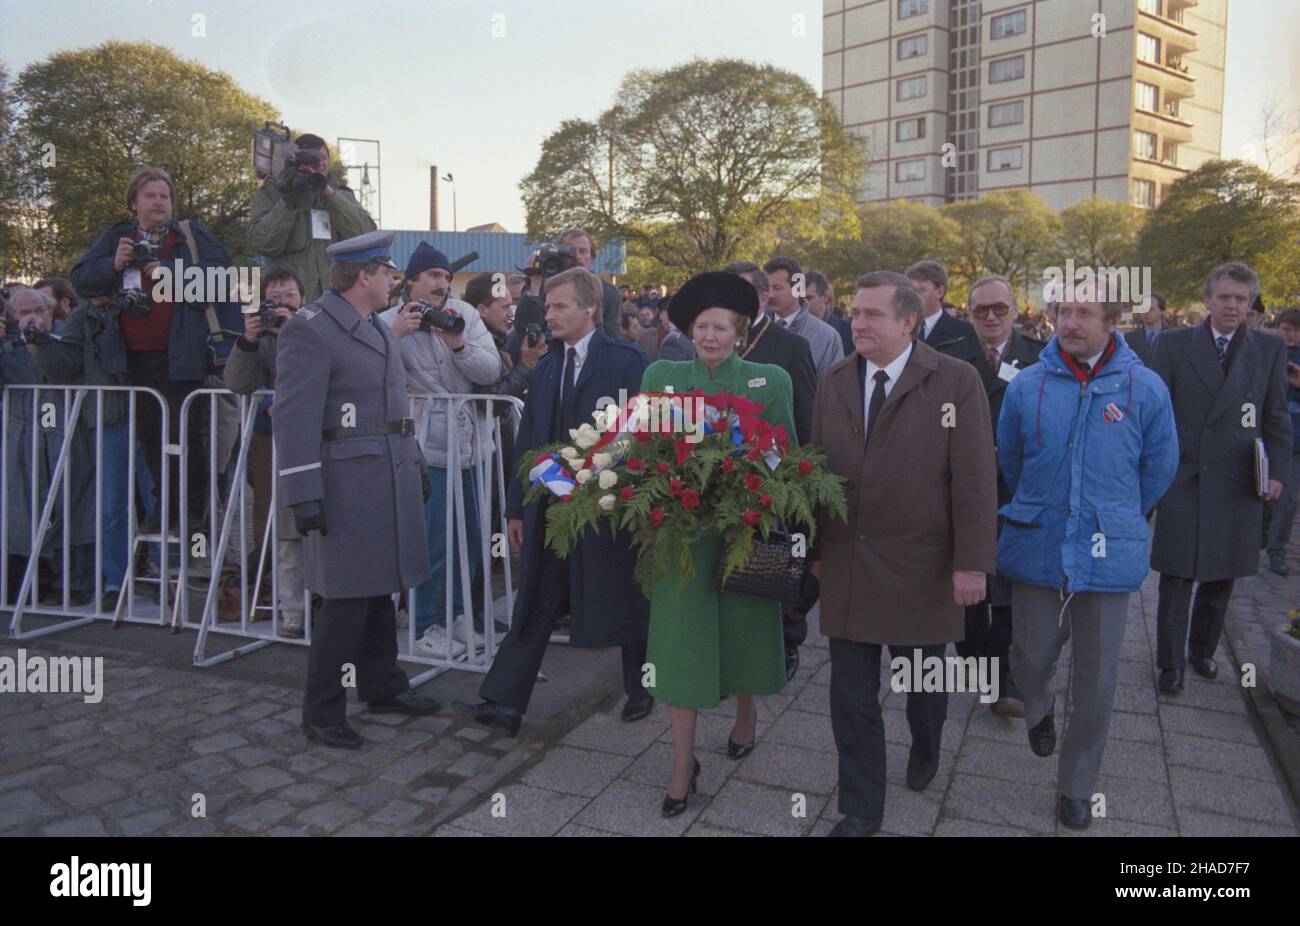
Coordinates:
[1000,476]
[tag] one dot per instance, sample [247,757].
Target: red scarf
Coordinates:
[1087,376]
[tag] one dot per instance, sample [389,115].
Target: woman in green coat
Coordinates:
[705,644]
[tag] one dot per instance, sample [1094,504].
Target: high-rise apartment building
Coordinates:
[1069,98]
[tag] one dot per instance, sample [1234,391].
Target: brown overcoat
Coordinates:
[922,500]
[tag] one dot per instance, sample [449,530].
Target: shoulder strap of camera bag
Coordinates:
[210,310]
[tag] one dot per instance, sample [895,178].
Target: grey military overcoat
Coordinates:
[336,368]
[1209,522]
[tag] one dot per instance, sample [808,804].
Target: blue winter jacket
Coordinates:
[1084,463]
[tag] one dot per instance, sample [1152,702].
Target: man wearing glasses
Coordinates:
[1004,353]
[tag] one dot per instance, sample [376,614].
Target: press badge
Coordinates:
[756,383]
[320,225]
[131,279]
[1008,372]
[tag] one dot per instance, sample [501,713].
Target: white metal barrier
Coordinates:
[57,427]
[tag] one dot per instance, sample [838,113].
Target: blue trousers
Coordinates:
[428,603]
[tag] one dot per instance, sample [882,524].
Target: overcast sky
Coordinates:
[476,85]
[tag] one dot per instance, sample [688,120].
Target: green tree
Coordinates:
[1099,232]
[1222,211]
[733,156]
[1008,232]
[90,116]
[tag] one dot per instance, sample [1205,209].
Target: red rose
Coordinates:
[690,499]
[675,485]
[765,500]
[661,468]
[721,425]
[656,516]
[643,437]
[627,493]
[754,454]
[727,465]
[752,518]
[805,467]
[753,483]
[634,465]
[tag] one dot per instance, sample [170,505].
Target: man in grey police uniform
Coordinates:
[351,473]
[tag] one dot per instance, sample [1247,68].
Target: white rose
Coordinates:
[575,465]
[599,419]
[584,476]
[569,453]
[602,460]
[586,437]
[607,501]
[608,479]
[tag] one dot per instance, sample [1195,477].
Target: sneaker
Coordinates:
[434,644]
[464,633]
[291,626]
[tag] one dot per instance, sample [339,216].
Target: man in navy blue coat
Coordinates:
[594,585]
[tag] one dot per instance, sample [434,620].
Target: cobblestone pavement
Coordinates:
[166,733]
[1194,765]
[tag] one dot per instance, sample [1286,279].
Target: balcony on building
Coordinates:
[1175,38]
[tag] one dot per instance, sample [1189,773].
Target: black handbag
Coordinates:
[770,571]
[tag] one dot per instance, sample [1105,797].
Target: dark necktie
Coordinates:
[995,359]
[877,402]
[1221,344]
[1085,366]
[570,361]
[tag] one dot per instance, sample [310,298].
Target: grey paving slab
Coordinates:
[1202,790]
[577,771]
[523,810]
[759,809]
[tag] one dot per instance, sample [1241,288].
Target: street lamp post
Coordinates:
[455,222]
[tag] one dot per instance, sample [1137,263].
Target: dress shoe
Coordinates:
[1171,681]
[676,806]
[920,770]
[1008,707]
[854,826]
[1205,668]
[408,702]
[791,662]
[1074,812]
[1042,736]
[637,708]
[491,714]
[340,737]
[736,751]
[1277,563]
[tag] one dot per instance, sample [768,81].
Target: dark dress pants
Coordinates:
[1208,612]
[359,631]
[859,728]
[519,658]
[988,636]
[148,368]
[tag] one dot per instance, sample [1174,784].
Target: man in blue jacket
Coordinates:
[1087,445]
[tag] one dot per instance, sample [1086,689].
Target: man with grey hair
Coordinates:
[900,421]
[1086,446]
[1228,385]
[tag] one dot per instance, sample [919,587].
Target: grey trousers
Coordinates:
[1095,621]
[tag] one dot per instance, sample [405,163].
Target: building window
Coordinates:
[1150,6]
[1006,158]
[1148,48]
[1148,97]
[911,88]
[912,47]
[1006,114]
[1144,193]
[905,171]
[1171,153]
[908,8]
[909,129]
[1144,145]
[1006,69]
[1007,24]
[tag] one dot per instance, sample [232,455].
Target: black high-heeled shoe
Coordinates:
[674,806]
[736,751]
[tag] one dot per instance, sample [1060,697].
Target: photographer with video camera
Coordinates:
[446,349]
[300,211]
[252,367]
[170,346]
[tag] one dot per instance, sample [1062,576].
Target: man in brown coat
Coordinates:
[900,421]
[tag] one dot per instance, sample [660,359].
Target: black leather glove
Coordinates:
[308,517]
[285,182]
[426,487]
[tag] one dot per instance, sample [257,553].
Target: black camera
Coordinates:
[535,334]
[436,316]
[143,253]
[305,182]
[133,303]
[556,258]
[19,337]
[270,318]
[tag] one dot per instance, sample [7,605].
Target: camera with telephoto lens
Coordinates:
[133,303]
[19,337]
[269,317]
[556,258]
[436,316]
[535,333]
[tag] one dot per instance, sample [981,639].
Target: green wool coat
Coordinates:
[703,643]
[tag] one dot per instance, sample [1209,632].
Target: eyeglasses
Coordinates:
[1000,309]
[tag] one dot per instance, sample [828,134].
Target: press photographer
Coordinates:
[574,248]
[300,210]
[252,367]
[167,346]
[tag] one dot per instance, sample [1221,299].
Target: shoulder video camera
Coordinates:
[274,153]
